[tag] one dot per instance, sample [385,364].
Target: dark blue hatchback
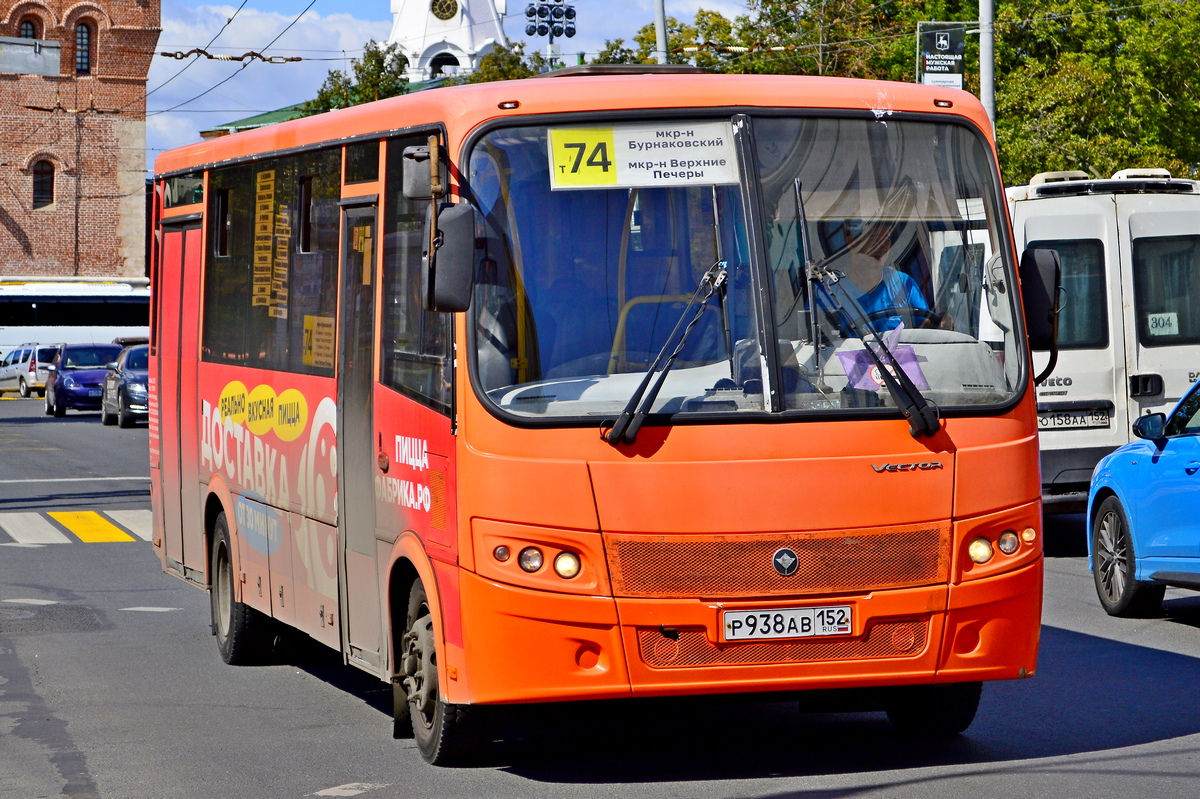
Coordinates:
[1144,509]
[76,378]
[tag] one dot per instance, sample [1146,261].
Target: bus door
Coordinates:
[178,334]
[1162,326]
[356,450]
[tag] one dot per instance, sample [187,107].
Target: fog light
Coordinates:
[980,550]
[502,553]
[1008,542]
[1028,535]
[566,565]
[530,559]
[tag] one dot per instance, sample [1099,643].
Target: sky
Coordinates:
[185,98]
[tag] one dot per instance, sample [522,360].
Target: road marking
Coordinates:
[22,546]
[138,522]
[148,609]
[349,789]
[89,526]
[72,479]
[32,601]
[30,528]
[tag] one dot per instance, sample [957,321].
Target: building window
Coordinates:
[43,184]
[83,49]
[28,29]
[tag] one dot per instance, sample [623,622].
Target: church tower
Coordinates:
[73,153]
[442,37]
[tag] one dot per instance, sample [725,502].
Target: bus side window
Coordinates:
[415,342]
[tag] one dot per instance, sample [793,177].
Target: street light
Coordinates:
[553,18]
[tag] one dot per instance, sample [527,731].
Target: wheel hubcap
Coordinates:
[224,589]
[420,669]
[1111,556]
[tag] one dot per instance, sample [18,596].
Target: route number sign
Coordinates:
[694,153]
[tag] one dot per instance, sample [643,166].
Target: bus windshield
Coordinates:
[597,237]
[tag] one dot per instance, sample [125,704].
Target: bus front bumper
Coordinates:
[521,645]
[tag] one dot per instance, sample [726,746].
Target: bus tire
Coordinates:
[442,731]
[1114,565]
[242,635]
[934,711]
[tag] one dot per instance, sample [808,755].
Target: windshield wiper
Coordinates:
[625,428]
[922,415]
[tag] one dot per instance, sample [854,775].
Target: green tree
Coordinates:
[508,63]
[379,73]
[1096,87]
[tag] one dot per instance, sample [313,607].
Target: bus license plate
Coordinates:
[744,625]
[1073,420]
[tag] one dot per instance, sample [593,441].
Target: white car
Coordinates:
[23,370]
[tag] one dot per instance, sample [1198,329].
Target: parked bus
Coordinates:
[1129,331]
[46,310]
[603,385]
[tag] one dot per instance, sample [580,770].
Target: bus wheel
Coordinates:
[441,730]
[241,631]
[934,711]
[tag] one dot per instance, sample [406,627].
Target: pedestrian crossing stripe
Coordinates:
[90,527]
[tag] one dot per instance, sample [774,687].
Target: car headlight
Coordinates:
[69,382]
[136,389]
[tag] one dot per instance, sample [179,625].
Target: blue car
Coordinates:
[1144,509]
[124,397]
[76,378]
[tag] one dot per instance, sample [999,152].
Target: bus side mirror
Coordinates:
[448,271]
[417,178]
[1041,280]
[1041,285]
[1151,426]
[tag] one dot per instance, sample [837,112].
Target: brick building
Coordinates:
[73,135]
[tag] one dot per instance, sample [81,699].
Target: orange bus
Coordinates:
[607,384]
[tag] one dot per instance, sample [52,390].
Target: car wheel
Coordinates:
[124,417]
[49,407]
[1114,565]
[106,417]
[243,634]
[934,711]
[23,388]
[443,732]
[60,410]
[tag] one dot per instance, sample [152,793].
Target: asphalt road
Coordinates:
[111,686]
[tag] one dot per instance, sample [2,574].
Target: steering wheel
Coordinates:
[924,316]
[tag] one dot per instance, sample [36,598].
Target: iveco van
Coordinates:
[1129,330]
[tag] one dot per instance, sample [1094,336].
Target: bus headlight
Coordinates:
[980,550]
[566,565]
[1008,542]
[530,559]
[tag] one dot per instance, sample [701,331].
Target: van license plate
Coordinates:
[1073,420]
[745,625]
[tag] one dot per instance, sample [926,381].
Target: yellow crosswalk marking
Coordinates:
[90,526]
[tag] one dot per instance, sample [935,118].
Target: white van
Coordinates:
[1129,332]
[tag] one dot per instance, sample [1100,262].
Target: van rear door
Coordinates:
[1161,254]
[1082,413]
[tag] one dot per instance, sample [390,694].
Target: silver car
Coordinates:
[23,370]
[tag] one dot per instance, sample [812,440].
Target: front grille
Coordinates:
[727,566]
[903,638]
